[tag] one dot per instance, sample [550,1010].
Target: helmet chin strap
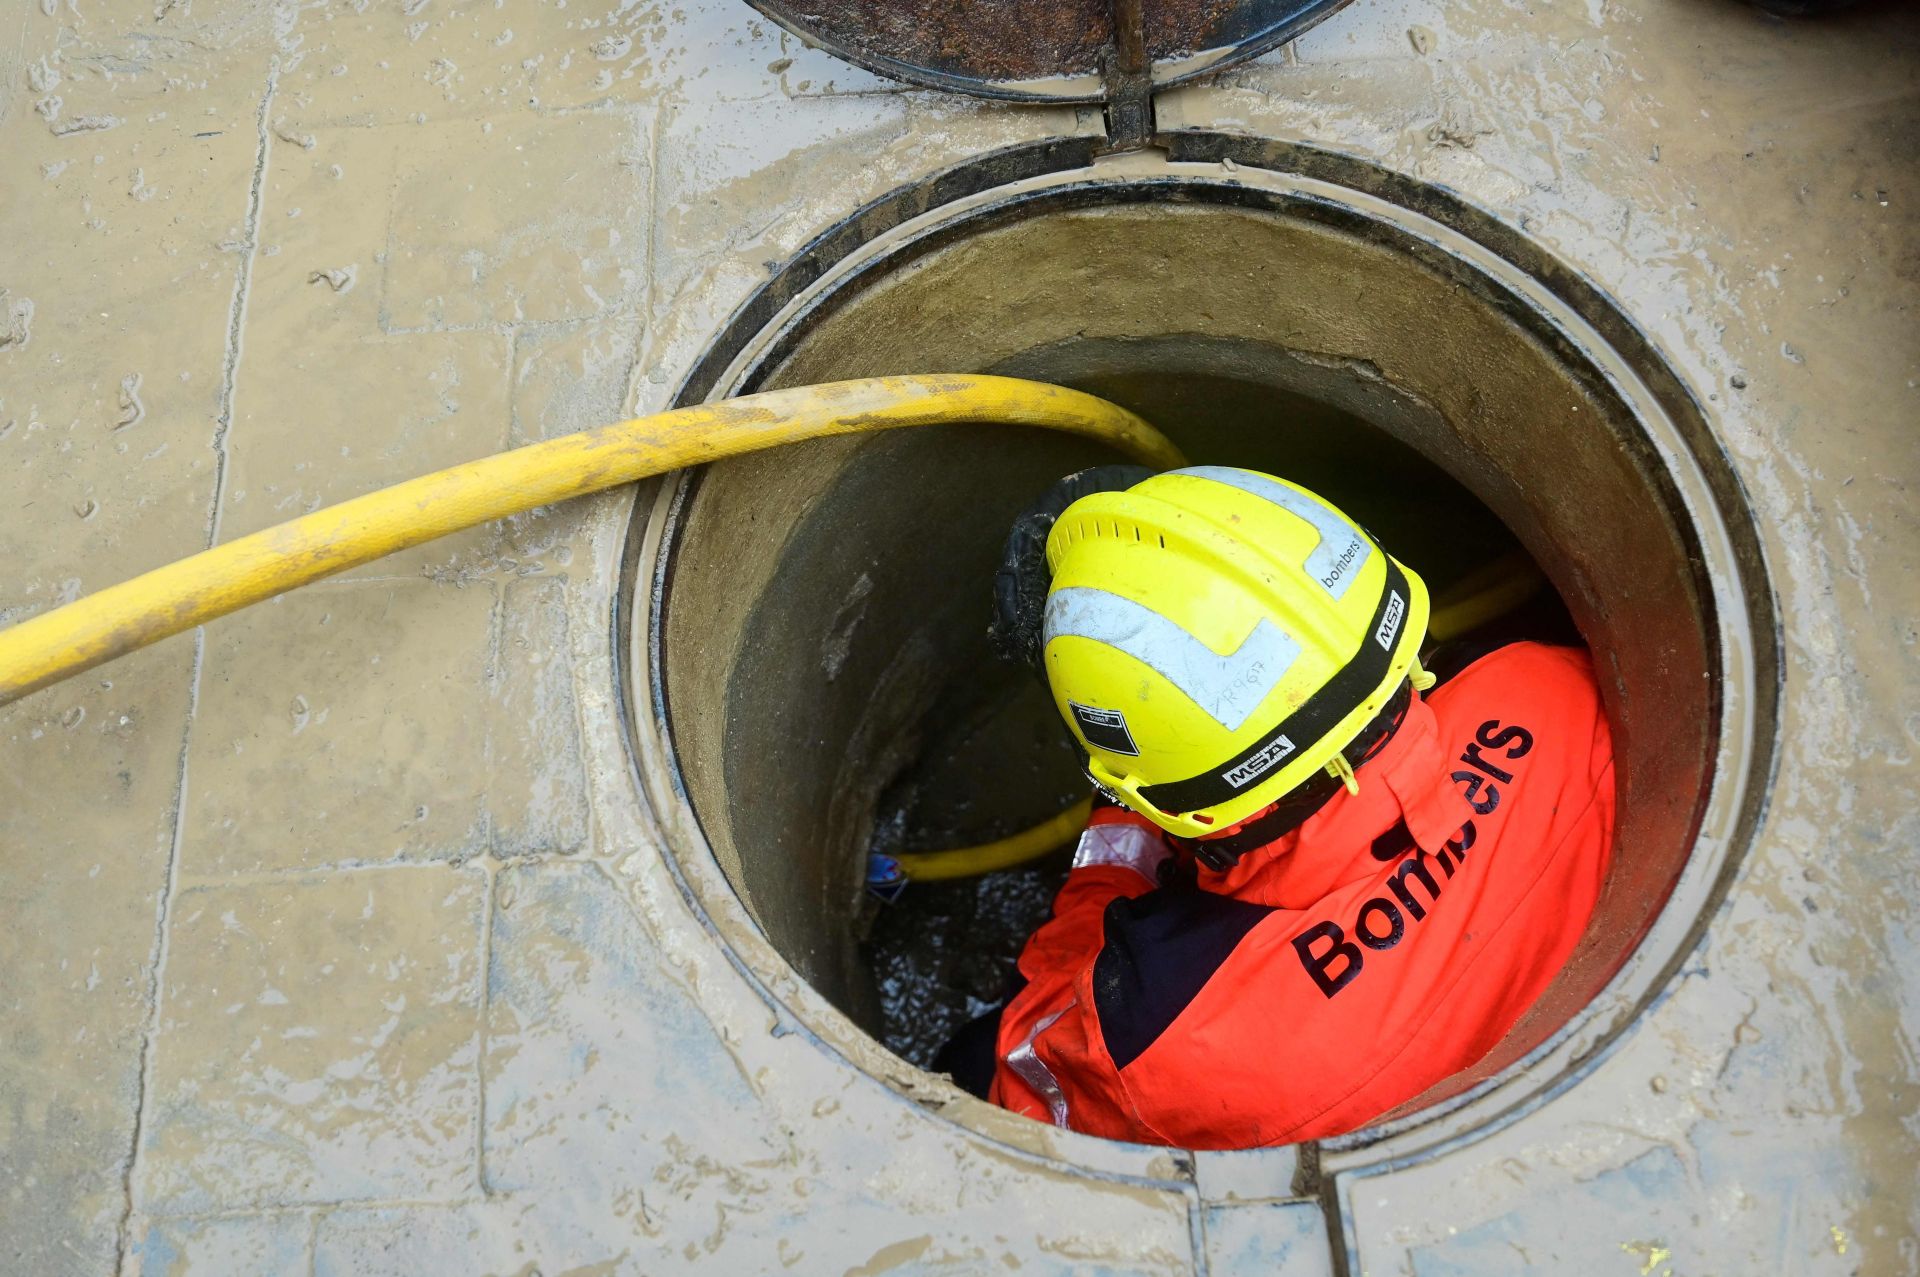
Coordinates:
[1222,851]
[1340,768]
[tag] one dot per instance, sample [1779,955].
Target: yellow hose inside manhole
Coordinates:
[1004,853]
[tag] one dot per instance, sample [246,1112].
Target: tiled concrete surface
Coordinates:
[336,938]
[358,1075]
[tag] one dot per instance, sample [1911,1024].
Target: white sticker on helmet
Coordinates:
[1229,688]
[1336,562]
[1104,729]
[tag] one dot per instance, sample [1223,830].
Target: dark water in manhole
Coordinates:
[947,952]
[994,758]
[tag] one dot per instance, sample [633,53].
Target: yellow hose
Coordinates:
[74,638]
[1484,595]
[1028,844]
[165,601]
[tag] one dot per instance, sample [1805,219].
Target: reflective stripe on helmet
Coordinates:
[1314,720]
[1229,688]
[1336,562]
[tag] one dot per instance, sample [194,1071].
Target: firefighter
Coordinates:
[1315,883]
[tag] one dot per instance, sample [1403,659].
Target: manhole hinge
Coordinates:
[1128,72]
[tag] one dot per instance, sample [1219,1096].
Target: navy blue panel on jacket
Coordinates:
[1160,950]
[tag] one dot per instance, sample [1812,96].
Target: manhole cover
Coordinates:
[1047,50]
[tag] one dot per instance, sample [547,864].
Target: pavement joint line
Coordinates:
[267,877]
[588,674]
[382,312]
[499,328]
[163,919]
[631,392]
[516,334]
[1197,1230]
[496,656]
[232,1214]
[236,319]
[604,106]
[651,253]
[561,327]
[489,864]
[458,580]
[319,1209]
[487,907]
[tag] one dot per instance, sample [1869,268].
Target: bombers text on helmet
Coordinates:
[1215,636]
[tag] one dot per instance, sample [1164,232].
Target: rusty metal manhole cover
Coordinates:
[1047,50]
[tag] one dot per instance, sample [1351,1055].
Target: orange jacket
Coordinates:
[1324,979]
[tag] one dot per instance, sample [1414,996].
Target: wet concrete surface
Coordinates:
[338,938]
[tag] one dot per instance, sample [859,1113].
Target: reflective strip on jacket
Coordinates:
[1327,978]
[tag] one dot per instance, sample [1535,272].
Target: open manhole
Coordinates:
[806,643]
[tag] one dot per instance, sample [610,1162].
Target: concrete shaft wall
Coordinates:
[336,937]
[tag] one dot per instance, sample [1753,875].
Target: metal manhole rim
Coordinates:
[1740,770]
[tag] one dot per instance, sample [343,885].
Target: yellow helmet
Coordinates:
[1216,636]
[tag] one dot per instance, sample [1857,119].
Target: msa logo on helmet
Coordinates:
[1260,764]
[1104,729]
[1390,623]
